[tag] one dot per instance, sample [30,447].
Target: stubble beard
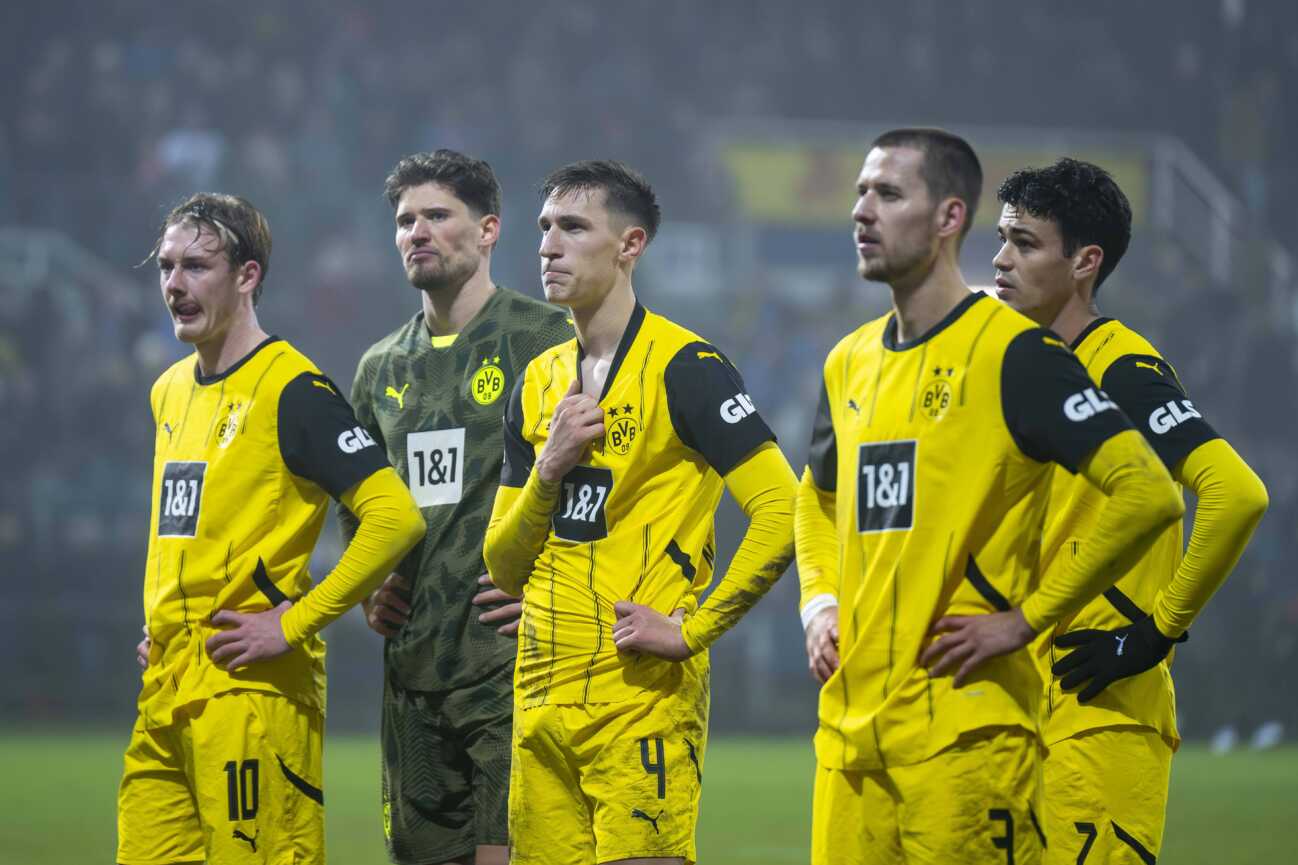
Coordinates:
[448,275]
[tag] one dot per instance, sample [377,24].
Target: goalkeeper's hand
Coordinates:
[1100,658]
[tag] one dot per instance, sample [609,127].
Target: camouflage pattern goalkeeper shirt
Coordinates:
[435,404]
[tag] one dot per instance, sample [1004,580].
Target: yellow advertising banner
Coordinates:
[812,185]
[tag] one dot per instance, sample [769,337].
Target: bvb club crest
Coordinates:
[623,429]
[936,397]
[229,425]
[488,383]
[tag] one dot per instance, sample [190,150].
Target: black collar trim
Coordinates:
[1086,331]
[891,343]
[623,346]
[213,379]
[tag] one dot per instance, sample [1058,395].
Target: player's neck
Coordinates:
[919,306]
[1074,318]
[600,328]
[237,342]
[448,310]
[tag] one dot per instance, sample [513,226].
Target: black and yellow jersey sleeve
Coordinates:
[520,454]
[1147,389]
[320,438]
[822,456]
[710,407]
[1053,410]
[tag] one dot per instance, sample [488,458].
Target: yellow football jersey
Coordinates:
[244,465]
[938,451]
[1145,387]
[635,520]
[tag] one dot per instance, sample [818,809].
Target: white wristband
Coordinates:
[815,605]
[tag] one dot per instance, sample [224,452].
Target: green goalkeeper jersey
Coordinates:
[435,404]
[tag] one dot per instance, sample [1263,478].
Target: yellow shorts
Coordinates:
[972,803]
[1106,797]
[235,778]
[606,781]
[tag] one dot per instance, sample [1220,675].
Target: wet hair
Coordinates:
[1082,199]
[241,228]
[950,168]
[625,190]
[470,180]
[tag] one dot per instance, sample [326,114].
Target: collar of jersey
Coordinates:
[623,346]
[890,329]
[1088,330]
[213,379]
[445,342]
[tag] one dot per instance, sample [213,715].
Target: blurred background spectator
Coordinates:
[750,118]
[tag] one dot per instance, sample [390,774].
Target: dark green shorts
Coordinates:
[446,769]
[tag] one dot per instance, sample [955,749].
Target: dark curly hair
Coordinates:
[1082,199]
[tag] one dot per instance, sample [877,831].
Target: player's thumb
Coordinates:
[622,609]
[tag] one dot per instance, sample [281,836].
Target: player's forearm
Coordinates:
[520,523]
[765,487]
[1231,501]
[816,541]
[389,526]
[1141,502]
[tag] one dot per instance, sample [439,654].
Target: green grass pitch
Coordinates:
[57,801]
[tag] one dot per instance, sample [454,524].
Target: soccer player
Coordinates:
[1064,229]
[432,393]
[224,763]
[617,447]
[918,527]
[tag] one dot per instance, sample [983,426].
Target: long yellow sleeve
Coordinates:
[519,525]
[816,541]
[1142,502]
[390,524]
[765,488]
[1232,500]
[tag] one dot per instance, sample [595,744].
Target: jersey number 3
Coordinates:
[885,486]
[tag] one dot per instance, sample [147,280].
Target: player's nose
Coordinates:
[549,245]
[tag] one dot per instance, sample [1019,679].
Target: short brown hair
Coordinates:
[950,168]
[471,180]
[243,230]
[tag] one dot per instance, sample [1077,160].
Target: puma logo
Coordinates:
[703,355]
[239,836]
[325,385]
[398,395]
[1153,366]
[1120,640]
[851,403]
[167,427]
[636,812]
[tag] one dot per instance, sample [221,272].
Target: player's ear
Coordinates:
[950,217]
[489,226]
[1087,261]
[634,241]
[246,277]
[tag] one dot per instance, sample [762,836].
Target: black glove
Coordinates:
[1104,657]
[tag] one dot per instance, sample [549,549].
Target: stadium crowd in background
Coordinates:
[108,123]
